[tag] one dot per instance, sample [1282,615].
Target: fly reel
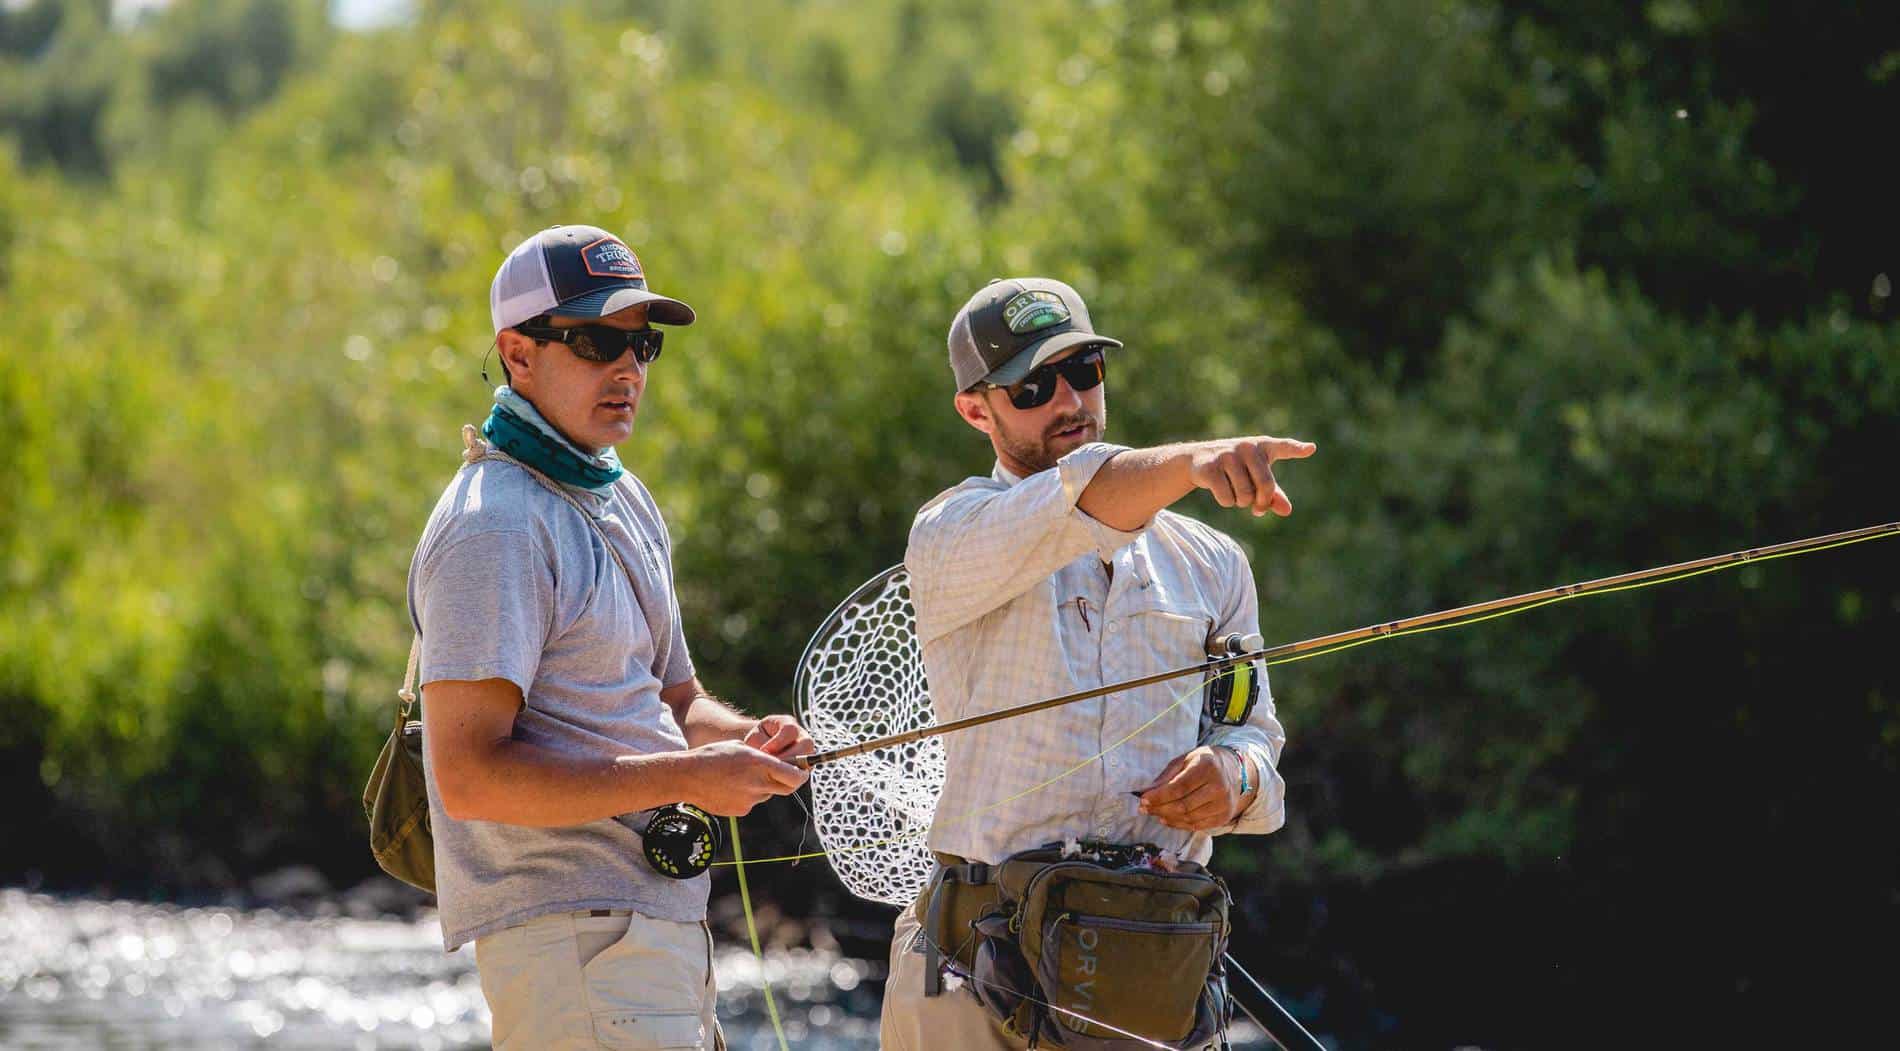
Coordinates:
[1230,693]
[680,839]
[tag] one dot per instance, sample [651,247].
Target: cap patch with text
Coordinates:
[1034,309]
[1012,325]
[579,271]
[608,257]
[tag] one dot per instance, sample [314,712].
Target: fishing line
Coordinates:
[804,827]
[1573,592]
[1283,1012]
[1468,621]
[1339,640]
[1250,1017]
[1083,765]
[752,930]
[1581,591]
[739,863]
[921,936]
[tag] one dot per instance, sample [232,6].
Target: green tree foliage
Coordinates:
[1758,94]
[1557,296]
[81,88]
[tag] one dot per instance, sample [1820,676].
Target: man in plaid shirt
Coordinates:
[1060,571]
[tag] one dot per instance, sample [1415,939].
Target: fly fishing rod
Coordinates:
[1239,649]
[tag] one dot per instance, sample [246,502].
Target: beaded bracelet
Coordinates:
[1245,785]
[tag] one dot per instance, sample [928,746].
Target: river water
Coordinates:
[102,975]
[117,976]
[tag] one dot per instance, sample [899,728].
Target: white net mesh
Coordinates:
[862,677]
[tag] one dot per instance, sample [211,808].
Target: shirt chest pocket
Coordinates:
[1160,635]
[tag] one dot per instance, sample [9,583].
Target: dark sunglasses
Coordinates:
[1083,371]
[602,343]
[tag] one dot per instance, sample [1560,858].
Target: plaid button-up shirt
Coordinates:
[1021,596]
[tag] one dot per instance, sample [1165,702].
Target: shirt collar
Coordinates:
[1004,474]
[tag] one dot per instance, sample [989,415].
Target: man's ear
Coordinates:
[975,411]
[515,351]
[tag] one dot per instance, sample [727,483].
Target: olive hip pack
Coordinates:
[396,796]
[1084,955]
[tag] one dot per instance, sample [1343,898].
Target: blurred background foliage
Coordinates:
[1559,289]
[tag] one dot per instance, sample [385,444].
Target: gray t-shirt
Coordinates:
[509,582]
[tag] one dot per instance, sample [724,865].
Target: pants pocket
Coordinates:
[650,1030]
[527,976]
[652,988]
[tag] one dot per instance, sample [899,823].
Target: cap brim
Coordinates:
[604,301]
[1036,353]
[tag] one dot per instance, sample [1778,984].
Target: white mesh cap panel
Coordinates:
[863,678]
[522,287]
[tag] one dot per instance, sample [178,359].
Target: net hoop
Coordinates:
[861,677]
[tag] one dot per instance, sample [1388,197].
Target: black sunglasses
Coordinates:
[1083,371]
[602,343]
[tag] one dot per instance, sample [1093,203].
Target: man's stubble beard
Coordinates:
[1035,454]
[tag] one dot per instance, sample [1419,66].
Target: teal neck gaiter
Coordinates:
[517,428]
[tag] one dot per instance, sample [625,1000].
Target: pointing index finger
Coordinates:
[1290,448]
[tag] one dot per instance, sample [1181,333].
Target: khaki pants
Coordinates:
[952,1021]
[600,979]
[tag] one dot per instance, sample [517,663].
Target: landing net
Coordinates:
[861,678]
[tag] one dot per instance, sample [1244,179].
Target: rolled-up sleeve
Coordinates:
[976,547]
[1261,737]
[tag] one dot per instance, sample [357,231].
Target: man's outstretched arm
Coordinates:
[1134,484]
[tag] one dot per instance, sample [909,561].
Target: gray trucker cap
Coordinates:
[1015,324]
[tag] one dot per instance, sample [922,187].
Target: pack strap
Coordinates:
[951,870]
[475,449]
[408,692]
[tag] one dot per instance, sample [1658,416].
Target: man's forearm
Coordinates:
[1134,484]
[704,718]
[517,783]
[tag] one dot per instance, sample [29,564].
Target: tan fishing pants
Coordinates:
[581,981]
[952,1021]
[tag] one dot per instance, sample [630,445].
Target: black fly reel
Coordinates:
[1230,693]
[680,840]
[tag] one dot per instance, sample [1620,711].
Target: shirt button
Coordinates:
[1116,626]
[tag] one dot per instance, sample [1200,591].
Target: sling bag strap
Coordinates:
[475,448]
[407,695]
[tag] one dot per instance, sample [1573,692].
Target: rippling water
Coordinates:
[120,975]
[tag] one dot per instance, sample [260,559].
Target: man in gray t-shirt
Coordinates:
[560,704]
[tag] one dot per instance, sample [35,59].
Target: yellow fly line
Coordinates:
[1273,656]
[1610,585]
[1472,614]
[1320,646]
[1179,699]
